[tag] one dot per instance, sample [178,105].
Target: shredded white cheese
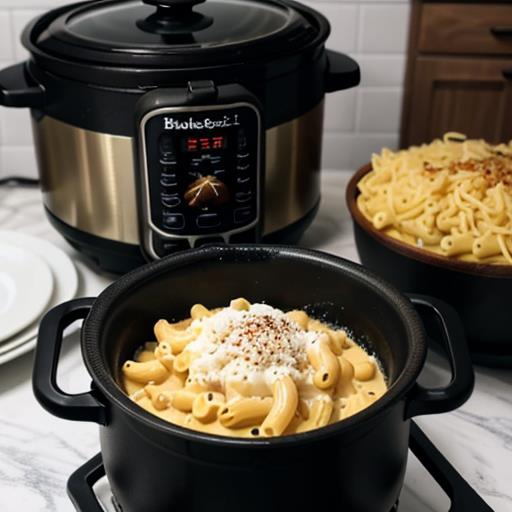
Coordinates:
[254,347]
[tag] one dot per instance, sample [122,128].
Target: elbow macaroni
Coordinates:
[245,412]
[284,405]
[324,361]
[252,371]
[452,197]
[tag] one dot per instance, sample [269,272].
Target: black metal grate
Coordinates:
[120,509]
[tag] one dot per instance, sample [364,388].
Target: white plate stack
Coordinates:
[35,276]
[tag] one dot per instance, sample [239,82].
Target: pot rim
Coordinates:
[414,253]
[105,383]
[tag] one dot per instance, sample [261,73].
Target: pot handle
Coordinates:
[461,494]
[444,399]
[342,72]
[80,407]
[81,482]
[16,90]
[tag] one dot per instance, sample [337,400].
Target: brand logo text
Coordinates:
[170,123]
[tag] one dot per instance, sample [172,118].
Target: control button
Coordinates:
[168,160]
[208,220]
[243,215]
[206,191]
[243,197]
[164,246]
[243,180]
[173,220]
[241,139]
[242,167]
[168,169]
[242,156]
[168,180]
[212,240]
[170,201]
[195,174]
[219,173]
[166,145]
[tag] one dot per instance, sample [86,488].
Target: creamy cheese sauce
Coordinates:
[252,370]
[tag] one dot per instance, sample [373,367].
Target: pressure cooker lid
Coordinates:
[167,32]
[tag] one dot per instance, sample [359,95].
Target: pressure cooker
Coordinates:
[166,124]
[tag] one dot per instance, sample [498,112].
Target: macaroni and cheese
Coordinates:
[452,197]
[251,370]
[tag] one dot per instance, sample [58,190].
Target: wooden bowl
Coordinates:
[480,292]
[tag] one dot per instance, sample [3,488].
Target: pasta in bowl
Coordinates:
[451,197]
[251,370]
[436,219]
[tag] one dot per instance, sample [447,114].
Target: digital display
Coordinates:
[193,144]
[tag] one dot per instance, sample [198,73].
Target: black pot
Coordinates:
[462,496]
[155,466]
[480,293]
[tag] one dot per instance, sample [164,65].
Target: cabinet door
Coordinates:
[471,96]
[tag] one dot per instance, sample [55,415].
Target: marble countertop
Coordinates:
[38,452]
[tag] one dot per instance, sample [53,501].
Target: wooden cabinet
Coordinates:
[459,72]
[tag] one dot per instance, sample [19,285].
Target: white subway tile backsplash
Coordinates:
[20,18]
[380,2]
[351,151]
[344,23]
[340,111]
[336,151]
[383,28]
[32,4]
[379,110]
[357,121]
[381,70]
[18,161]
[15,127]
[6,50]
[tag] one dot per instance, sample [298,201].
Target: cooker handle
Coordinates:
[80,407]
[18,90]
[342,72]
[443,399]
[81,482]
[463,497]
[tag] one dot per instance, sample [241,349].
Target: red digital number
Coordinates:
[204,142]
[218,142]
[191,144]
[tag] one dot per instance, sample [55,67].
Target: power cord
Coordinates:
[19,181]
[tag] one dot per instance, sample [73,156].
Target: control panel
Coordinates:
[201,171]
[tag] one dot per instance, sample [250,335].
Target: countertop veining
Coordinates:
[38,452]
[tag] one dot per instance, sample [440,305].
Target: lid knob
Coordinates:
[175,4]
[174,17]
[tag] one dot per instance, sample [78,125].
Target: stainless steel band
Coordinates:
[88,177]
